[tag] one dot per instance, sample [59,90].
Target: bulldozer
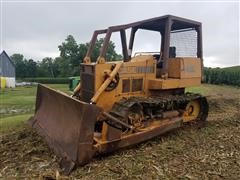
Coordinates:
[121,103]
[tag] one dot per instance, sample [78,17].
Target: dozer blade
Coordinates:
[67,125]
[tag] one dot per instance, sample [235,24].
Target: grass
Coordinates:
[198,89]
[18,104]
[213,90]
[11,123]
[18,96]
[61,87]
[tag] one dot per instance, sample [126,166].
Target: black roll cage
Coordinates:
[163,24]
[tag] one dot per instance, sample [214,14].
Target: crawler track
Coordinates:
[153,108]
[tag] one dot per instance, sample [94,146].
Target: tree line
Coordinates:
[229,75]
[66,65]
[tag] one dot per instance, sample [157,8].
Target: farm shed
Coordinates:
[7,71]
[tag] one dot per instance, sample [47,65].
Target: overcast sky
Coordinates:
[35,29]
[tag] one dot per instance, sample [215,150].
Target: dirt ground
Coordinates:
[212,152]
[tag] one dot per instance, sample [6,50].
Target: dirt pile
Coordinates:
[24,152]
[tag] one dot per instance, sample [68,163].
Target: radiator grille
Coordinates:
[87,86]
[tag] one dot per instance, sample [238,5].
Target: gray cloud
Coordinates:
[36,29]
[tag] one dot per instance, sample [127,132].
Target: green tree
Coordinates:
[72,54]
[31,68]
[111,54]
[62,67]
[67,64]
[229,75]
[20,65]
[69,52]
[46,68]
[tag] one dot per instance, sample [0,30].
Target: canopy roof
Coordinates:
[158,24]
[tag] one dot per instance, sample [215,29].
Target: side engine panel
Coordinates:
[133,81]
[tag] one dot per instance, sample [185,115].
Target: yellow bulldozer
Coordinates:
[125,102]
